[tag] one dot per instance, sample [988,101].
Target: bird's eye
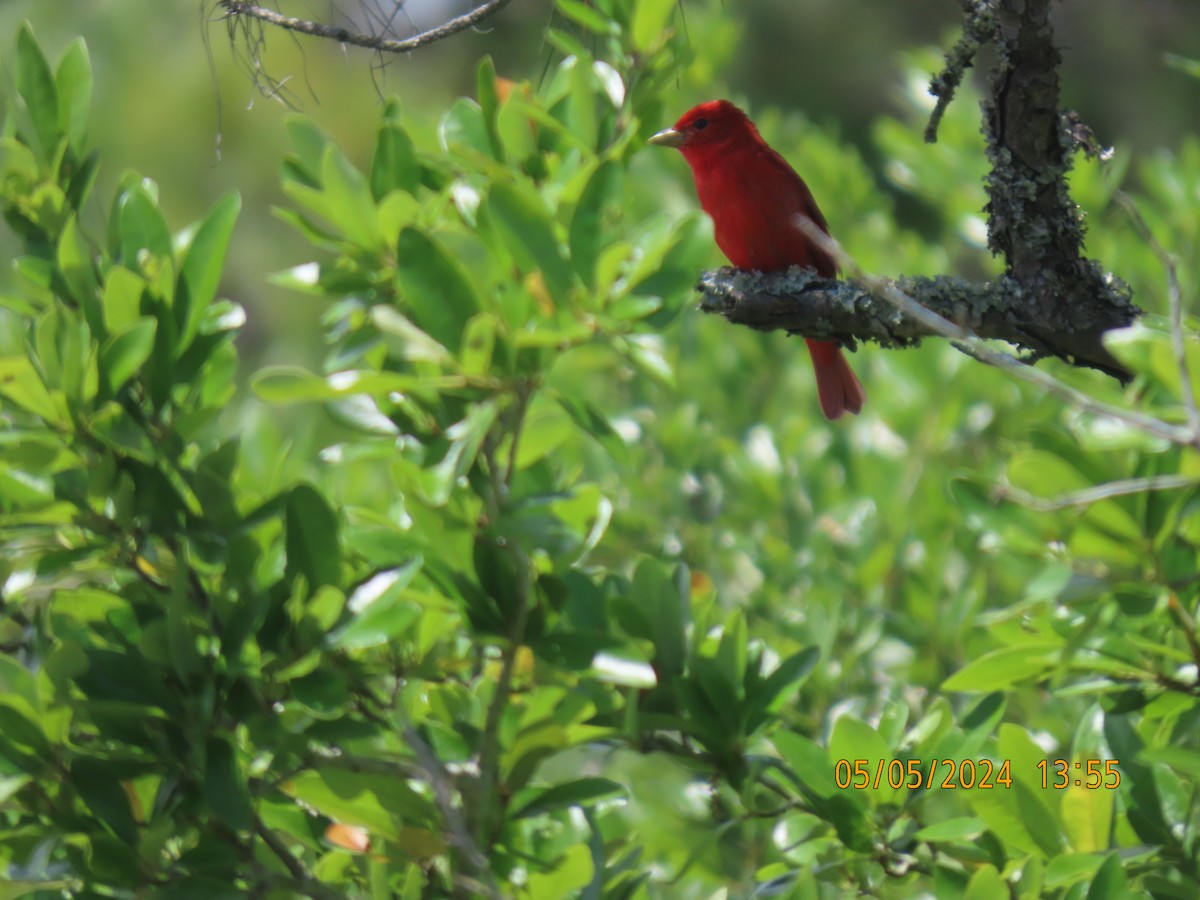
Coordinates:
[700,124]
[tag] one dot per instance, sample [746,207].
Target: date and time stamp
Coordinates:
[972,774]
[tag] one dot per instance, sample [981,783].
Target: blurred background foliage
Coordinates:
[946,623]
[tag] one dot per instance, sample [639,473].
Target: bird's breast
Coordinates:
[754,207]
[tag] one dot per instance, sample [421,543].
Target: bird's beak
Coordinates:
[668,138]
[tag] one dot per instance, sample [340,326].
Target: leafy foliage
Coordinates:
[580,600]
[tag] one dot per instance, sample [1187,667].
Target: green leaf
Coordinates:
[781,685]
[436,287]
[962,828]
[366,799]
[35,84]
[312,543]
[203,263]
[586,234]
[1087,815]
[1183,760]
[853,739]
[986,884]
[21,384]
[589,17]
[463,127]
[623,666]
[657,596]
[11,890]
[517,129]
[100,788]
[489,102]
[349,202]
[308,143]
[140,226]
[593,424]
[581,792]
[528,232]
[479,343]
[394,165]
[122,298]
[808,762]
[650,18]
[1183,64]
[292,384]
[79,271]
[1109,881]
[381,611]
[1004,667]
[723,676]
[1020,816]
[466,437]
[405,340]
[25,488]
[18,683]
[113,425]
[225,789]
[73,82]
[1139,787]
[126,349]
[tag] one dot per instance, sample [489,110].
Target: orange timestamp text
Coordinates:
[968,774]
[1092,774]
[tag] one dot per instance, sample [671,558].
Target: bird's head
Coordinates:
[706,128]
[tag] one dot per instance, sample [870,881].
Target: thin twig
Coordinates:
[523,391]
[1187,624]
[358,39]
[443,794]
[304,882]
[971,345]
[1088,496]
[1174,298]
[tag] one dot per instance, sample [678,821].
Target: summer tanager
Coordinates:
[756,199]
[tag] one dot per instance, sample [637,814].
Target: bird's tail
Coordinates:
[837,387]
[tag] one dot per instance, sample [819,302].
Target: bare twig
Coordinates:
[524,390]
[1174,299]
[970,344]
[1088,496]
[358,39]
[303,881]
[1187,624]
[460,836]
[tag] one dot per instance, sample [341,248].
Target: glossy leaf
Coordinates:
[436,287]
[125,351]
[312,537]
[35,83]
[203,262]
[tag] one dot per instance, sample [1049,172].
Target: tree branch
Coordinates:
[359,39]
[798,302]
[1032,220]
[1051,301]
[1088,496]
[970,343]
[979,29]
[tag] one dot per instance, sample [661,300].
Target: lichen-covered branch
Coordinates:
[1032,219]
[978,29]
[798,302]
[1051,300]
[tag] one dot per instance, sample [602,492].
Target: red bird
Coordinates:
[754,198]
